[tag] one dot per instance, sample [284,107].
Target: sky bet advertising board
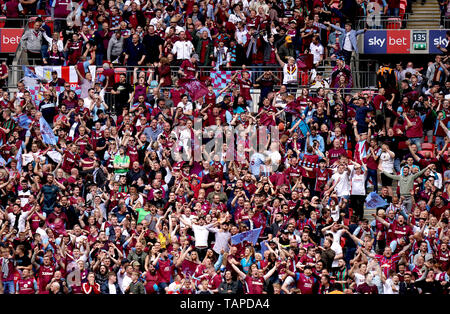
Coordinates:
[437,37]
[387,41]
[403,41]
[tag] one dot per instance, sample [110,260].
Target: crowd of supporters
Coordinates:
[119,203]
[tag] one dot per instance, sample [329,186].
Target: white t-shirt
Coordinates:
[201,235]
[335,213]
[359,279]
[125,282]
[336,247]
[347,42]
[241,36]
[112,289]
[358,183]
[337,235]
[387,162]
[342,188]
[234,18]
[186,107]
[154,21]
[182,49]
[317,51]
[387,287]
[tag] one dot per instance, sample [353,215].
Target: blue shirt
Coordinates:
[318,138]
[134,52]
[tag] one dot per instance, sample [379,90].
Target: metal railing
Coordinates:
[362,78]
[387,22]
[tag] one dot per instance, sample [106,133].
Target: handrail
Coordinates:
[361,78]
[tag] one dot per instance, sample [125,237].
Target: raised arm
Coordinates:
[239,272]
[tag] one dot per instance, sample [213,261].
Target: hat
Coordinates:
[195,56]
[293,21]
[136,263]
[288,39]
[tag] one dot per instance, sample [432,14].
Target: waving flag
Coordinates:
[28,72]
[2,161]
[47,133]
[188,268]
[250,236]
[19,159]
[373,201]
[24,121]
[220,79]
[195,88]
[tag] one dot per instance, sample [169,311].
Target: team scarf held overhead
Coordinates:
[47,133]
[314,165]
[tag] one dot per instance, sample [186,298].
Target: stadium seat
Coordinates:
[31,21]
[428,146]
[49,22]
[403,5]
[394,23]
[335,20]
[117,72]
[422,152]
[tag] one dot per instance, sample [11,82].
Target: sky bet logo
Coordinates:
[390,41]
[437,37]
[379,42]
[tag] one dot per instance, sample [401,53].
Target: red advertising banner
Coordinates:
[398,41]
[10,39]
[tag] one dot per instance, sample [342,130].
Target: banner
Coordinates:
[249,236]
[374,201]
[55,156]
[2,161]
[68,73]
[188,268]
[195,88]
[19,159]
[387,41]
[220,79]
[304,128]
[47,133]
[437,37]
[24,121]
[10,39]
[38,97]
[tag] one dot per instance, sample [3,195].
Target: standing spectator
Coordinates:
[134,51]
[182,48]
[32,41]
[348,39]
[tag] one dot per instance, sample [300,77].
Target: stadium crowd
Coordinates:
[107,202]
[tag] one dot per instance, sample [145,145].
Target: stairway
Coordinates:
[425,16]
